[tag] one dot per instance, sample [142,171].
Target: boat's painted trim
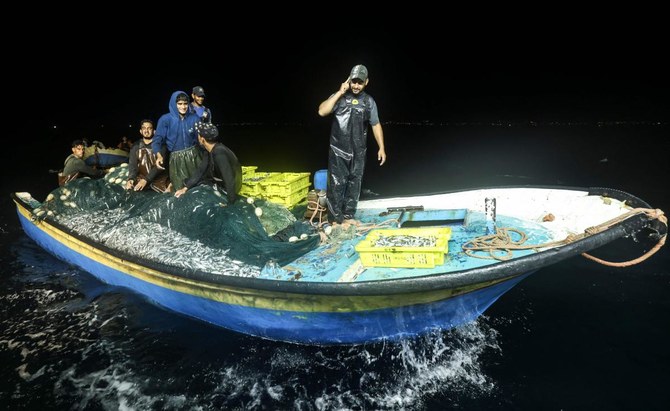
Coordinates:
[308,312]
[299,318]
[113,270]
[495,272]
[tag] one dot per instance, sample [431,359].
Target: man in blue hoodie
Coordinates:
[176,130]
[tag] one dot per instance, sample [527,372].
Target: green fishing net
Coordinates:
[253,231]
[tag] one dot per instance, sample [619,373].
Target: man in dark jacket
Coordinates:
[220,166]
[76,167]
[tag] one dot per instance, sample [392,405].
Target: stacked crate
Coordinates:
[287,189]
[248,171]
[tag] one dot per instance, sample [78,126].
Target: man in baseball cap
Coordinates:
[353,110]
[198,106]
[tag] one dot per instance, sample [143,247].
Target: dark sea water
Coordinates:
[573,336]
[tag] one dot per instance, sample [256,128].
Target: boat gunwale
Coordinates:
[496,271]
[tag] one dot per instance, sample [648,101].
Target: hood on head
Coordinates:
[172,105]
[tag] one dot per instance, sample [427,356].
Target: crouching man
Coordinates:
[219,167]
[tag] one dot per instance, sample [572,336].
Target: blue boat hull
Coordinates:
[252,312]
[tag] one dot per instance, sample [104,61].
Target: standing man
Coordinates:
[176,130]
[142,169]
[198,105]
[354,110]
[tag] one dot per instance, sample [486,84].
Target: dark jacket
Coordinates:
[77,165]
[220,167]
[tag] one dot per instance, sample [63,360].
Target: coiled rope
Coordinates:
[502,241]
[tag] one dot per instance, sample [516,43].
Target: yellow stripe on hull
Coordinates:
[249,297]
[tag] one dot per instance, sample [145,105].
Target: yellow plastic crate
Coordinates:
[285,184]
[410,257]
[248,171]
[289,200]
[251,186]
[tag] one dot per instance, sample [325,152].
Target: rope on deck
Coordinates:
[502,241]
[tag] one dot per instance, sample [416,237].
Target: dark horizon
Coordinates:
[417,75]
[450,96]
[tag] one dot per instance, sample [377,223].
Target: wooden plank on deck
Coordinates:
[352,272]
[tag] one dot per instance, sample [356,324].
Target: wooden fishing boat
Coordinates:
[358,290]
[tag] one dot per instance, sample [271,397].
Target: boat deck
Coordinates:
[339,261]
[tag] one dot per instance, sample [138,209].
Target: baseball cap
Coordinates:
[199,91]
[360,72]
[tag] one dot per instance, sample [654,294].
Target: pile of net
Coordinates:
[200,222]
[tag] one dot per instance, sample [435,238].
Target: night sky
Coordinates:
[274,74]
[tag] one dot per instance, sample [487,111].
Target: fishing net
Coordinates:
[253,231]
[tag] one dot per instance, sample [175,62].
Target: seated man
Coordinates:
[142,168]
[75,167]
[219,167]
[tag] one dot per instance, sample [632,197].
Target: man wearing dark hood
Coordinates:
[176,130]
